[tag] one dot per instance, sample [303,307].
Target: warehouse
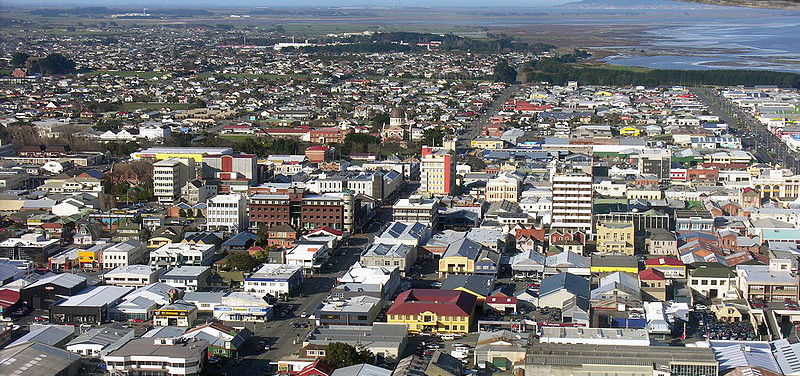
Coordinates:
[88,307]
[44,292]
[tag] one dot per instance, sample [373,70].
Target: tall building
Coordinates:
[572,202]
[169,177]
[438,171]
[227,212]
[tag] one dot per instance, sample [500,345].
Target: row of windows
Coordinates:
[427,318]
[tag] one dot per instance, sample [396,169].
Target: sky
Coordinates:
[277,3]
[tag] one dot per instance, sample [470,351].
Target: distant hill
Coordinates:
[678,4]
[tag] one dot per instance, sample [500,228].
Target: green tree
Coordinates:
[339,355]
[504,72]
[378,121]
[241,261]
[432,137]
[54,63]
[182,213]
[18,59]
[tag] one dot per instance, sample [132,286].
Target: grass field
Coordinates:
[156,106]
[140,74]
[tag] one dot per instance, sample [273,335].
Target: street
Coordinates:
[767,147]
[474,127]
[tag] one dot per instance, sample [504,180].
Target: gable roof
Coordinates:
[574,284]
[443,302]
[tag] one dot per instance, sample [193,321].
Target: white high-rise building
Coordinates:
[572,202]
[169,177]
[227,212]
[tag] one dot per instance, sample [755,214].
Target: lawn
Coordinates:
[155,106]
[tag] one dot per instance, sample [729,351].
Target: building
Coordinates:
[769,283]
[179,313]
[465,256]
[416,209]
[91,306]
[176,254]
[557,290]
[661,242]
[657,162]
[98,342]
[234,172]
[39,359]
[238,306]
[694,220]
[169,178]
[223,341]
[670,267]
[487,143]
[433,311]
[188,278]
[503,187]
[33,247]
[48,290]
[615,237]
[397,256]
[572,202]
[198,191]
[162,356]
[363,280]
[712,280]
[437,171]
[359,310]
[275,280]
[195,154]
[595,336]
[129,252]
[132,275]
[438,364]
[548,359]
[502,349]
[227,212]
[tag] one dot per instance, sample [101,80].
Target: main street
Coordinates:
[278,332]
[767,147]
[474,127]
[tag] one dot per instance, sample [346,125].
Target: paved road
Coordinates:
[757,138]
[278,332]
[475,126]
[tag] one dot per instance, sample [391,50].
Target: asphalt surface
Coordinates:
[756,138]
[474,127]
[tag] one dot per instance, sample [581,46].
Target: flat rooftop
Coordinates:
[146,347]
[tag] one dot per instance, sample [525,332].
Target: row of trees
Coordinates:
[557,71]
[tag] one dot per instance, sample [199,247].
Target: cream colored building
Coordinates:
[615,237]
[503,187]
[169,177]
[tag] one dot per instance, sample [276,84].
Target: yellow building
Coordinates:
[459,258]
[487,143]
[608,263]
[615,237]
[629,131]
[88,258]
[433,311]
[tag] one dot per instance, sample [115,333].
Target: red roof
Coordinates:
[651,275]
[441,302]
[501,299]
[663,261]
[317,368]
[328,230]
[318,148]
[8,298]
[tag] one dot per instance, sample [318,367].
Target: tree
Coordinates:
[378,121]
[339,355]
[18,59]
[504,72]
[182,213]
[54,63]
[241,261]
[432,137]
